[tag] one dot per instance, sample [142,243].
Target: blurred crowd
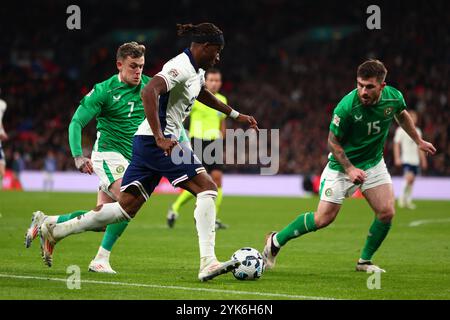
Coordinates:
[273,69]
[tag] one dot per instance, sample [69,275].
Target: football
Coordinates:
[252,264]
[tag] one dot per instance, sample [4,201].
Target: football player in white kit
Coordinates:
[3,136]
[167,100]
[408,155]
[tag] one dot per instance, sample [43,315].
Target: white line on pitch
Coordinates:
[143,285]
[417,223]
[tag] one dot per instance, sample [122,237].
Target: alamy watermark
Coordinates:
[374,20]
[247,147]
[374,281]
[74,279]
[74,19]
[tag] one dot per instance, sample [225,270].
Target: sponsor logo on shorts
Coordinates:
[120,169]
[329,192]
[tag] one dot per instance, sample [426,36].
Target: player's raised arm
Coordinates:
[406,122]
[156,87]
[208,99]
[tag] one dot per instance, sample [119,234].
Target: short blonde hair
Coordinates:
[130,49]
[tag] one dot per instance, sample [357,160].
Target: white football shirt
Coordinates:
[184,81]
[409,151]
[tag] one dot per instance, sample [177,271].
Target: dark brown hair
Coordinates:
[372,68]
[130,49]
[202,29]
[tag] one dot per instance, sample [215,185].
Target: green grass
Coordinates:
[417,259]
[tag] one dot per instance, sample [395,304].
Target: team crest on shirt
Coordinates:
[173,73]
[388,111]
[120,169]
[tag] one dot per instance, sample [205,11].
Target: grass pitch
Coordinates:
[155,262]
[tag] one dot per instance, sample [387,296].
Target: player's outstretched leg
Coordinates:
[38,218]
[51,233]
[304,223]
[205,218]
[381,199]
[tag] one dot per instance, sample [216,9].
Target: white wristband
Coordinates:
[234,114]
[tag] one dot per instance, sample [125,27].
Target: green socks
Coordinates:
[112,233]
[69,216]
[182,199]
[377,232]
[303,224]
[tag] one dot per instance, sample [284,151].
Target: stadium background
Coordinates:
[286,62]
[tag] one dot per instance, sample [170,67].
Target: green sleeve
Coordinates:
[90,106]
[340,121]
[402,103]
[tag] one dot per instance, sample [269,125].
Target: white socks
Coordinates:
[102,254]
[51,219]
[92,220]
[205,221]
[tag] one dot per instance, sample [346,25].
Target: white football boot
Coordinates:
[270,251]
[37,218]
[48,242]
[368,266]
[214,268]
[101,266]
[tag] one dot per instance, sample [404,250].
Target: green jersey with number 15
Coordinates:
[362,130]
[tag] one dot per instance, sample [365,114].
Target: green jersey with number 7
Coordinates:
[118,109]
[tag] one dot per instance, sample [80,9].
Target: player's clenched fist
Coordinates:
[356,176]
[83,164]
[166,144]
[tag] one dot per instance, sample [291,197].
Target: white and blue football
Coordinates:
[252,264]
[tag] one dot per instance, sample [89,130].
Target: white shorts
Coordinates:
[335,186]
[109,167]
